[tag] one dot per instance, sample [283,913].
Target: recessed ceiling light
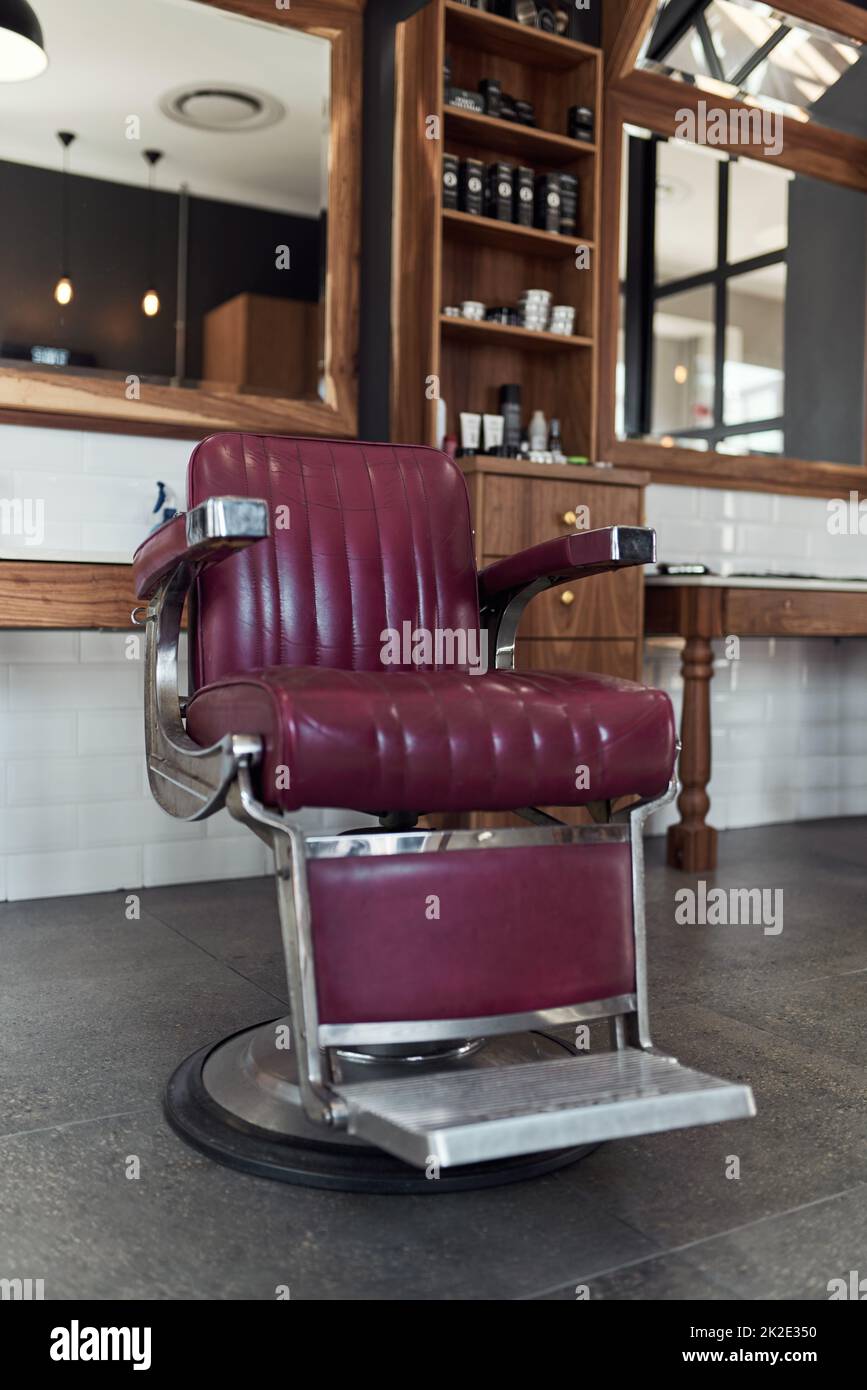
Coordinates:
[217,106]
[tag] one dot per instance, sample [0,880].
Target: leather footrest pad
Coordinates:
[470,933]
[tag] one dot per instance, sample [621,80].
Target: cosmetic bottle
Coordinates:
[510,409]
[451,166]
[492,434]
[524,194]
[538,433]
[471,430]
[555,443]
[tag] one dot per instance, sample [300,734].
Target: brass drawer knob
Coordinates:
[567,597]
[569,518]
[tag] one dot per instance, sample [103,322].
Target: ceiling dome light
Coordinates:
[151,304]
[63,290]
[22,50]
[221,107]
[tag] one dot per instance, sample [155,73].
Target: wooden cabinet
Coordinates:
[594,624]
[256,342]
[600,626]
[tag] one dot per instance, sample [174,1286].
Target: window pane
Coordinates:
[806,75]
[800,70]
[762,442]
[755,321]
[737,32]
[758,209]
[688,56]
[683,361]
[686,209]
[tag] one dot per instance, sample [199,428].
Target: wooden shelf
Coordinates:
[560,472]
[60,594]
[500,334]
[510,236]
[527,142]
[508,38]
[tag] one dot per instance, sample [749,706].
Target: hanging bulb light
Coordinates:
[151,301]
[22,50]
[63,291]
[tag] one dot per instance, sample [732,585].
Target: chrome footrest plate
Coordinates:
[473,1116]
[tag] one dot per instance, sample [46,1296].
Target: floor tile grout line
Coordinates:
[70,1124]
[664,1252]
[211,956]
[759,1028]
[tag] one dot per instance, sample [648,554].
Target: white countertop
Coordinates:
[734,581]
[40,552]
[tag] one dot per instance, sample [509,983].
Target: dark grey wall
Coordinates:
[380,20]
[826,295]
[231,249]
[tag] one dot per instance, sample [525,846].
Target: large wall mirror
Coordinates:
[734,286]
[743,305]
[180,235]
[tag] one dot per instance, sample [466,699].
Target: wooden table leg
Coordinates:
[692,842]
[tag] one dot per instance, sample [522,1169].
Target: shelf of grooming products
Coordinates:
[534,312]
[511,193]
[505,435]
[560,17]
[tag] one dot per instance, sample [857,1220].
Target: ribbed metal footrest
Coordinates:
[472,1116]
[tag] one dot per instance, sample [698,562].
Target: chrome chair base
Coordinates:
[238,1102]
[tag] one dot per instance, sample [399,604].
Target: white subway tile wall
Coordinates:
[789,732]
[97,490]
[76,815]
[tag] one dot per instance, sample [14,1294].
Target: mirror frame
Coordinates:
[649,100]
[95,403]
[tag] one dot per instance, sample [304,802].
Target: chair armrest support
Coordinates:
[507,586]
[188,781]
[569,557]
[208,533]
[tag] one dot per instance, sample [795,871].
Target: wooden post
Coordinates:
[692,843]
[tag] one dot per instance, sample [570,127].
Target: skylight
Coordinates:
[748,51]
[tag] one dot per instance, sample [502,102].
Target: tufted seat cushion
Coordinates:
[442,740]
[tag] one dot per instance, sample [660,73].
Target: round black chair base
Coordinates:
[344,1165]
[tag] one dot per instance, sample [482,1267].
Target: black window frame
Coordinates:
[642,293]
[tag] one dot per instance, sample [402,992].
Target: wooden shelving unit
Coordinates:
[443,257]
[524,338]
[526,143]
[528,241]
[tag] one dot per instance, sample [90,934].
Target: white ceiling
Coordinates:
[110,59]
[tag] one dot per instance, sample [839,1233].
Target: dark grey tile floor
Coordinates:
[96,1010]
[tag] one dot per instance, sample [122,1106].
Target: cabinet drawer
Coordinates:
[555,505]
[519,512]
[604,658]
[607,605]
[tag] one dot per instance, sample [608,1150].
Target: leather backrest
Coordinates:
[364,538]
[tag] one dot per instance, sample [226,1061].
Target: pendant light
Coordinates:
[63,292]
[151,301]
[22,51]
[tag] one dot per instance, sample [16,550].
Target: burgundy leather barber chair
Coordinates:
[436,978]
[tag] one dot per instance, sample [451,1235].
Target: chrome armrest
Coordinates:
[507,586]
[188,781]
